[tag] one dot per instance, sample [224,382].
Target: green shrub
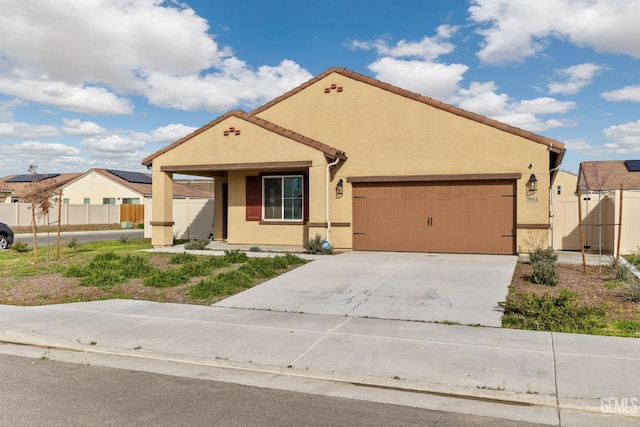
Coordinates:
[623,273]
[235,256]
[292,259]
[226,283]
[260,268]
[108,269]
[560,313]
[182,258]
[632,291]
[540,254]
[318,246]
[255,249]
[20,246]
[545,273]
[197,245]
[124,239]
[169,278]
[197,269]
[73,243]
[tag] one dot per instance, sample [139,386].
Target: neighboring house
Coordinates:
[192,207]
[368,166]
[20,184]
[116,187]
[600,183]
[564,210]
[5,193]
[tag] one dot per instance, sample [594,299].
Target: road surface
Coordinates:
[37,392]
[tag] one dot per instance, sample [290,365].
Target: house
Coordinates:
[117,187]
[5,193]
[610,201]
[367,166]
[19,185]
[193,207]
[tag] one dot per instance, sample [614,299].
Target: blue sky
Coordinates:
[88,83]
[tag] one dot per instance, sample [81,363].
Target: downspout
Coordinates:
[551,197]
[327,198]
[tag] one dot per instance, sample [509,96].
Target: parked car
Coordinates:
[6,236]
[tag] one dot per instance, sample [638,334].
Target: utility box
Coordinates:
[126,224]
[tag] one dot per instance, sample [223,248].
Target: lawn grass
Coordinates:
[120,269]
[22,264]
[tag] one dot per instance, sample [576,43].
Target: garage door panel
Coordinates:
[453,217]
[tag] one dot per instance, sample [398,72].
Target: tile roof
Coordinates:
[607,175]
[272,127]
[555,146]
[20,189]
[179,190]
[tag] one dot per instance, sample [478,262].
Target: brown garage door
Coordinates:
[450,217]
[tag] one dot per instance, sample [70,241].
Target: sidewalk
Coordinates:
[542,377]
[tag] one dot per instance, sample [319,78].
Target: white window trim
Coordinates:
[281,219]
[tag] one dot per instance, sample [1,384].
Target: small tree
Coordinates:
[40,195]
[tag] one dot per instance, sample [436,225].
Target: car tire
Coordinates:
[4,243]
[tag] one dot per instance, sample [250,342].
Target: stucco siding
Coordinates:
[96,187]
[385,134]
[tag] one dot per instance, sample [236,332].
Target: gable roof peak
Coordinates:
[555,146]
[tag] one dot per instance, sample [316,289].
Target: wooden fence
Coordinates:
[132,213]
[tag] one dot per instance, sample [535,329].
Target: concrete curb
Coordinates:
[499,403]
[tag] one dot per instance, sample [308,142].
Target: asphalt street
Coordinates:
[40,392]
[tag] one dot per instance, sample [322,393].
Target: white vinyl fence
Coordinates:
[19,214]
[600,217]
[193,218]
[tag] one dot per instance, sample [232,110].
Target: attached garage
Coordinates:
[461,216]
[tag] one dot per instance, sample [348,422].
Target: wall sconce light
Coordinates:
[339,188]
[532,184]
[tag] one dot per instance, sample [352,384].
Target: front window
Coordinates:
[283,198]
[131,201]
[108,200]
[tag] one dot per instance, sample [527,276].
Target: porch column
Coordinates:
[162,209]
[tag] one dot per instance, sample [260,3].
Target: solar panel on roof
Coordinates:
[133,177]
[633,165]
[32,178]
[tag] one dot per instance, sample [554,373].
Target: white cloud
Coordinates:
[429,48]
[427,78]
[7,107]
[484,99]
[79,98]
[26,130]
[578,145]
[572,80]
[50,157]
[624,138]
[627,93]
[78,127]
[516,30]
[235,84]
[160,50]
[544,105]
[170,133]
[112,145]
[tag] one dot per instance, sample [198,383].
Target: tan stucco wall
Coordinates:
[385,134]
[253,145]
[96,187]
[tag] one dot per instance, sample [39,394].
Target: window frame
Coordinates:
[282,218]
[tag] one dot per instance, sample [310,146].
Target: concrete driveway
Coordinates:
[456,288]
